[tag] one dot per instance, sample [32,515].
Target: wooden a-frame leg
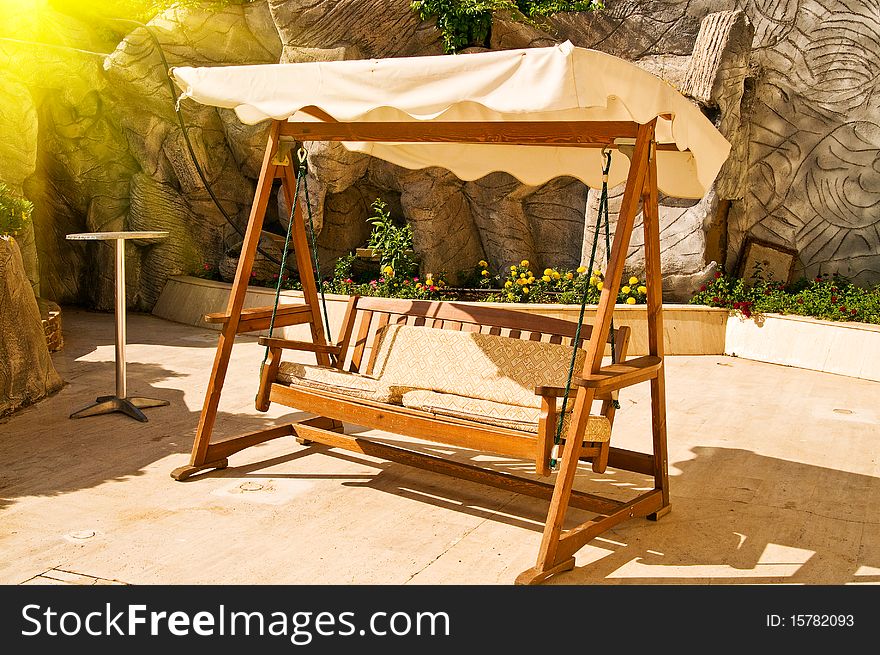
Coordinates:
[651,225]
[200,459]
[551,558]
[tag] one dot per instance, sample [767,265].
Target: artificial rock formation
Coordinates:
[790,83]
[26,370]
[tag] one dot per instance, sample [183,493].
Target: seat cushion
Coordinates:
[326,378]
[481,366]
[515,417]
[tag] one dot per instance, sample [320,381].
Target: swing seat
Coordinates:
[485,378]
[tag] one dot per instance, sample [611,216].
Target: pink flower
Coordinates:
[348,280]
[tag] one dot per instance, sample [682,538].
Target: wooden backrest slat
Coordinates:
[383,320]
[376,313]
[474,314]
[360,343]
[346,331]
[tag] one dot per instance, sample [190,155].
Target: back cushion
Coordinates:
[483,366]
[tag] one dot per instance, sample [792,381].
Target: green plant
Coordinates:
[463,23]
[15,212]
[478,276]
[828,297]
[393,242]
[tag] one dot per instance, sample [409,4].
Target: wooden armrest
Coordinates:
[553,392]
[559,392]
[272,342]
[256,313]
[618,376]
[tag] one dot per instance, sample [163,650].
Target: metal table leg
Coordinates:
[120,402]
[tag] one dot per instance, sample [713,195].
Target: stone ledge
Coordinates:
[843,348]
[688,329]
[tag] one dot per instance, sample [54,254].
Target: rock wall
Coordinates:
[791,83]
[808,148]
[26,370]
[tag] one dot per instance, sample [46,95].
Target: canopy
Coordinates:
[559,83]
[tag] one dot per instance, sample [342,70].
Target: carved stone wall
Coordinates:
[791,83]
[809,145]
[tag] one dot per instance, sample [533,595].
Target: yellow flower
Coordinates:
[556,275]
[626,290]
[483,263]
[643,290]
[582,269]
[522,276]
[597,273]
[569,275]
[510,296]
[524,262]
[484,272]
[441,283]
[546,278]
[526,290]
[599,286]
[389,272]
[513,269]
[630,301]
[419,285]
[593,280]
[633,280]
[531,279]
[548,271]
[508,284]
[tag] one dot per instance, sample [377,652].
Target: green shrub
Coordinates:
[394,243]
[829,297]
[15,212]
[464,23]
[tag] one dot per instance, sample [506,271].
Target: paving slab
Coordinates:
[773,473]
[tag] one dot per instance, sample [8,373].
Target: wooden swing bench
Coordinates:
[405,397]
[482,378]
[370,382]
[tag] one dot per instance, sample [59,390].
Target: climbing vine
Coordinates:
[464,23]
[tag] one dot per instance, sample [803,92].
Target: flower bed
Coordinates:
[827,297]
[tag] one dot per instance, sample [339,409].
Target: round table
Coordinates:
[120,402]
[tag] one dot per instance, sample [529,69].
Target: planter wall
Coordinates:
[851,349]
[688,329]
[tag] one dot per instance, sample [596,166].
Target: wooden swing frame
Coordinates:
[558,546]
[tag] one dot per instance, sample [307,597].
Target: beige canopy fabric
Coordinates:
[559,83]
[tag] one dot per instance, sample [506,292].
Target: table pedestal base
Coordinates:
[129,406]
